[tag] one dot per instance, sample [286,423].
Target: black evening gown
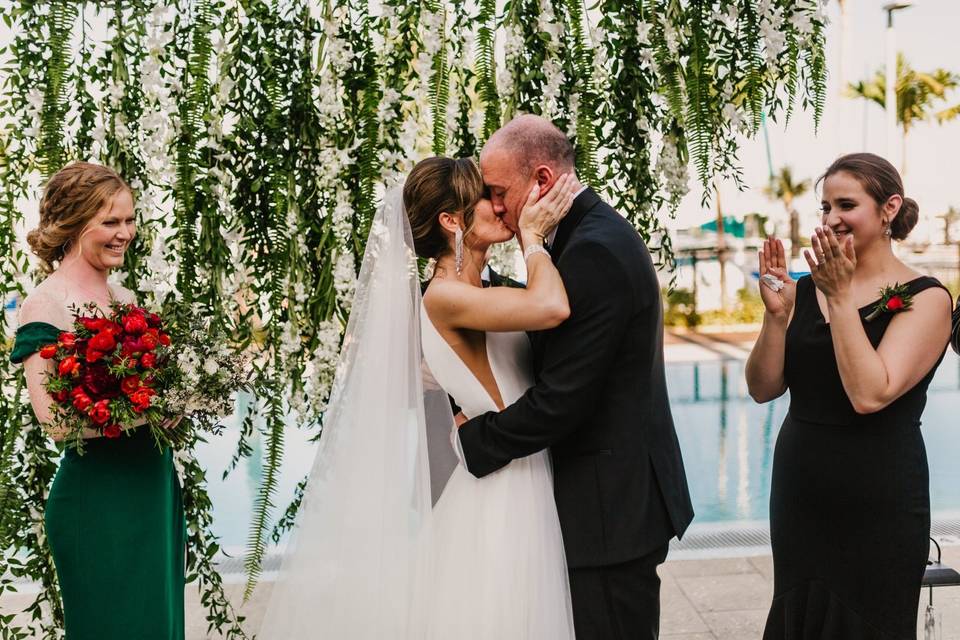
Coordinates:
[850,495]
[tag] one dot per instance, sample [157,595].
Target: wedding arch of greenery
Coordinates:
[258,136]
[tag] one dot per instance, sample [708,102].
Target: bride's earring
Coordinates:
[887,231]
[458,249]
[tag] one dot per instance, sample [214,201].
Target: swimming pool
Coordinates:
[726,438]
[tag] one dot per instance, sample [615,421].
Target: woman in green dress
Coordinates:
[114,516]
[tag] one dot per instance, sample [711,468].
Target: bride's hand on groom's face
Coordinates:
[539,215]
[460,419]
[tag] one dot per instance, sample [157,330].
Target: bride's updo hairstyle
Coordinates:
[880,180]
[438,185]
[71,198]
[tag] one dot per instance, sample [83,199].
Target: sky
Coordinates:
[926,34]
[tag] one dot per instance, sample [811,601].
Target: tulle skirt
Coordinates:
[496,568]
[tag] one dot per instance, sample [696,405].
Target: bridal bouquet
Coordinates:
[124,369]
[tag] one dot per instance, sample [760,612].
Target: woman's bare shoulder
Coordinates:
[46,303]
[123,294]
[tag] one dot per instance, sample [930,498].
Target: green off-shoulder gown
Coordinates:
[116,529]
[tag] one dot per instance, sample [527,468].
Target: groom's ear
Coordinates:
[545,177]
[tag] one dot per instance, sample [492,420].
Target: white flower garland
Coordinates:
[553,76]
[512,47]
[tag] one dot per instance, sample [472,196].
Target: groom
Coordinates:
[600,399]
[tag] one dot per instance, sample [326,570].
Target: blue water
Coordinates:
[726,438]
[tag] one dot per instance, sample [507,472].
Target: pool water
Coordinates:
[727,441]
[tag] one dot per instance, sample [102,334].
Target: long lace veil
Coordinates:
[355,554]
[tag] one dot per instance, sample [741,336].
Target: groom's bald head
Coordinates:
[530,141]
[527,150]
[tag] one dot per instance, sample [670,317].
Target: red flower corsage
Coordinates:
[892,300]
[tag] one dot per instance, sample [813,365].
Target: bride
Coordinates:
[371,556]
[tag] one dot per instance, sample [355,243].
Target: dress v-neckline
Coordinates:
[486,352]
[823,318]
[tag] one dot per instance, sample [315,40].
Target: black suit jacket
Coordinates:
[600,399]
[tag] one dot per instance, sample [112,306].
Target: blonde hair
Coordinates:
[71,198]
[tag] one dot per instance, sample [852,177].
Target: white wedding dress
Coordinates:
[497,565]
[371,556]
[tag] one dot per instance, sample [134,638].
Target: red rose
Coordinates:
[67,340]
[82,401]
[135,324]
[61,396]
[48,351]
[93,324]
[69,366]
[100,382]
[154,320]
[78,391]
[111,431]
[93,356]
[149,341]
[130,384]
[895,303]
[141,399]
[103,342]
[132,346]
[149,360]
[100,412]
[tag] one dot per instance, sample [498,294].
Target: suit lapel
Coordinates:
[581,205]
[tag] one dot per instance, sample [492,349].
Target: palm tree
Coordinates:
[783,188]
[917,92]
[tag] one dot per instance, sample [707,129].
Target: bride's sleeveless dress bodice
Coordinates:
[509,357]
[498,567]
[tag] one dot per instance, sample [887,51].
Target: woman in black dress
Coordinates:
[849,501]
[955,332]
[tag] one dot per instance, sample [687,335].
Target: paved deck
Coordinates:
[711,599]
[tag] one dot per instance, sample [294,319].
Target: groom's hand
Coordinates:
[460,419]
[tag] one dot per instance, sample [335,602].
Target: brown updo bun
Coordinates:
[437,185]
[71,198]
[880,180]
[906,220]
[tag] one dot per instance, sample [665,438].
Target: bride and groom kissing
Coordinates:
[543,508]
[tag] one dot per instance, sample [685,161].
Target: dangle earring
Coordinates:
[887,231]
[458,249]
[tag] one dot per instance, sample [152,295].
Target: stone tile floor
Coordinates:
[727,599]
[710,599]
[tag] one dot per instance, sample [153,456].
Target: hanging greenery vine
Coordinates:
[259,136]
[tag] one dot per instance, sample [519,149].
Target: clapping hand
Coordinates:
[832,271]
[773,264]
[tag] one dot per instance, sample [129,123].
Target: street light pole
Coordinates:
[890,97]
